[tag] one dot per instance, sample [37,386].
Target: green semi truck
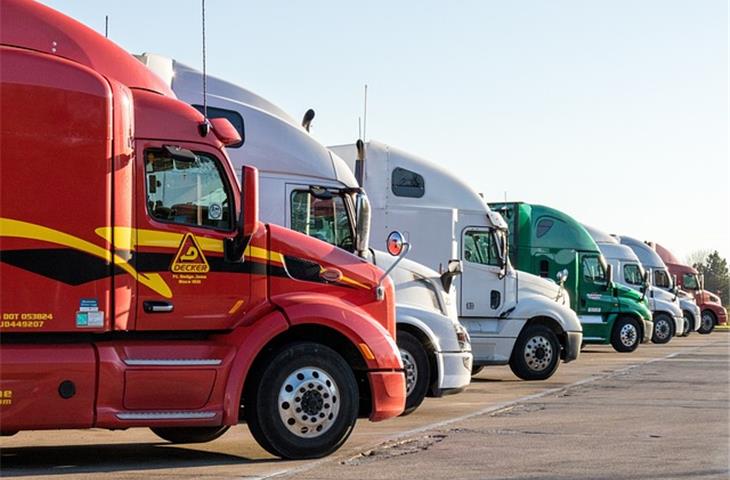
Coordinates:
[547,242]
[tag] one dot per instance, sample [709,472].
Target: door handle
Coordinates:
[157,306]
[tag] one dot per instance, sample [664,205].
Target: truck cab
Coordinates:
[140,289]
[629,271]
[662,279]
[690,281]
[512,317]
[311,190]
[553,245]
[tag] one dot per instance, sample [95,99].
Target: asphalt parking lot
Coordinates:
[659,413]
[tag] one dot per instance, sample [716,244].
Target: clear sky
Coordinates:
[614,111]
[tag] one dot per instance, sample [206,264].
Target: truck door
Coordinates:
[185,209]
[595,299]
[482,292]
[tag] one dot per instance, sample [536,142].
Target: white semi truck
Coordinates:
[512,317]
[629,271]
[665,283]
[305,187]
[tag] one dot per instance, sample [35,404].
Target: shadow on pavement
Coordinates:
[56,460]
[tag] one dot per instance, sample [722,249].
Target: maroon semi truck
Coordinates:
[689,279]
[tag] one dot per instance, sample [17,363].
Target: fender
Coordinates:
[249,342]
[438,329]
[372,340]
[531,306]
[639,310]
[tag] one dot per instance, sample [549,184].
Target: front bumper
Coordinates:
[573,341]
[721,316]
[678,325]
[455,372]
[388,394]
[648,330]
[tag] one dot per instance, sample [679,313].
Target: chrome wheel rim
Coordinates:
[538,353]
[309,402]
[707,321]
[411,370]
[628,335]
[662,329]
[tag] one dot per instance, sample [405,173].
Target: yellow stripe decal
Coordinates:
[19,229]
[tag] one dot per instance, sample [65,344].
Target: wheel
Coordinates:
[189,434]
[303,402]
[625,336]
[662,328]
[475,369]
[536,353]
[708,322]
[689,321]
[417,369]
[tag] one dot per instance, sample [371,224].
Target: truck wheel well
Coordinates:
[552,325]
[317,334]
[429,347]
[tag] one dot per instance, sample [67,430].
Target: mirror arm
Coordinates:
[379,292]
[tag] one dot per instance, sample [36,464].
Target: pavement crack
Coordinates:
[395,449]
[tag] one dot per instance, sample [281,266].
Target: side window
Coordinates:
[543,227]
[593,270]
[326,219]
[661,279]
[480,247]
[185,192]
[632,274]
[689,281]
[407,184]
[233,116]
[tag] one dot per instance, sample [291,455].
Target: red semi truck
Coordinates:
[689,279]
[139,289]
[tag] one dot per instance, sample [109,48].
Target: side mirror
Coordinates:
[248,221]
[454,268]
[397,246]
[395,243]
[362,227]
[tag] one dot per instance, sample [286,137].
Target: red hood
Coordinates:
[330,269]
[34,26]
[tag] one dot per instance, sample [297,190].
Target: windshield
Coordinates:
[326,219]
[689,280]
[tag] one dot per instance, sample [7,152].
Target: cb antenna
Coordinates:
[205,75]
[106,26]
[365,115]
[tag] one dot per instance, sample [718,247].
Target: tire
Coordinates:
[707,325]
[303,402]
[626,335]
[689,321]
[476,369]
[189,434]
[662,332]
[536,353]
[417,369]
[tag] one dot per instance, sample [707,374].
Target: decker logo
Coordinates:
[189,257]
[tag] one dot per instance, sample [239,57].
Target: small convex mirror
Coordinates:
[394,243]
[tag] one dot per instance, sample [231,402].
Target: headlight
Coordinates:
[462,336]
